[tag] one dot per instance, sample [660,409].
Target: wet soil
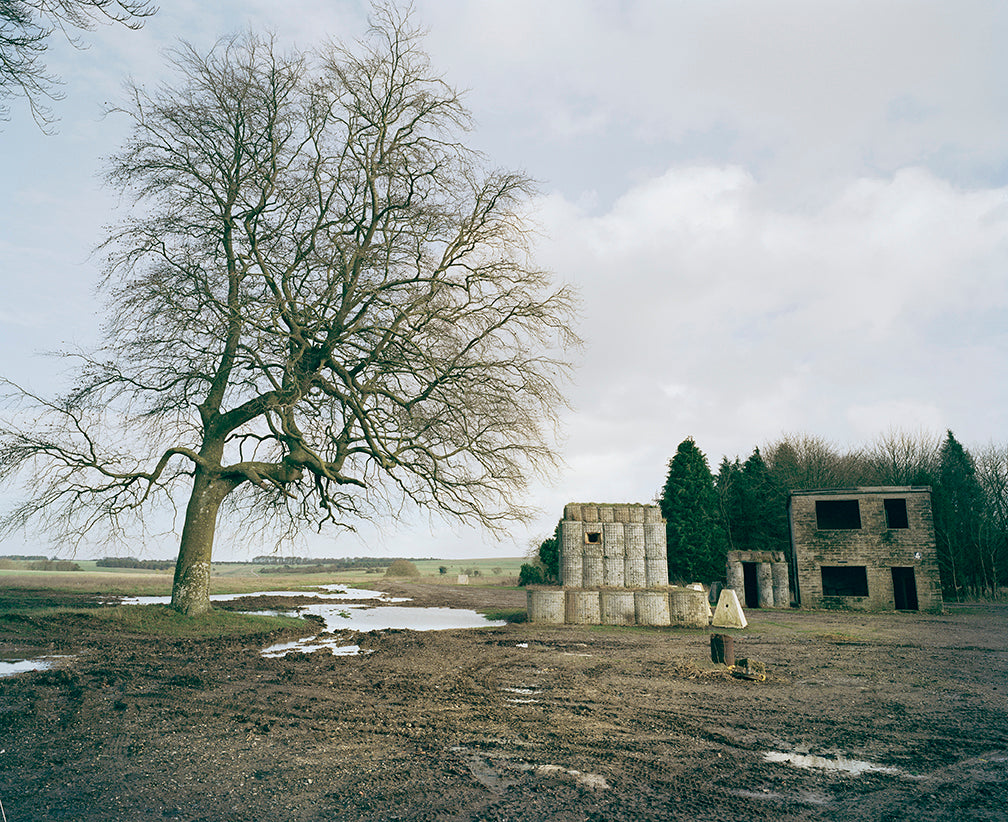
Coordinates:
[517,723]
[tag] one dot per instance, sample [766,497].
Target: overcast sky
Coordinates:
[782,217]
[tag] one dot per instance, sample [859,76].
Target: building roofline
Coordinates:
[865,489]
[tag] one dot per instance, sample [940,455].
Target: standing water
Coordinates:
[339,614]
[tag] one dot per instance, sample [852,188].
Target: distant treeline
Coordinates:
[328,563]
[25,557]
[15,563]
[132,562]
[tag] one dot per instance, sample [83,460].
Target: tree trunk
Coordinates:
[191,587]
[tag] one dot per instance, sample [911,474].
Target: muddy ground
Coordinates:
[521,722]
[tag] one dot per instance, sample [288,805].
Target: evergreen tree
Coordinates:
[549,557]
[754,505]
[959,514]
[694,532]
[545,567]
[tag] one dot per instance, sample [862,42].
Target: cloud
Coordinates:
[766,320]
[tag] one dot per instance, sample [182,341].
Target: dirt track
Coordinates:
[521,722]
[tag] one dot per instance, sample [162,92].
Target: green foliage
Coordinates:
[442,569]
[53,565]
[549,557]
[960,522]
[695,536]
[755,505]
[545,566]
[402,568]
[133,562]
[531,574]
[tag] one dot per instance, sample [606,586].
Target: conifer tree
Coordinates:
[754,505]
[958,506]
[696,541]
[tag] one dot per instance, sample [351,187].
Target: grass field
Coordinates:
[236,578]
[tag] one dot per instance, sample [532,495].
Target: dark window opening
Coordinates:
[896,513]
[837,514]
[593,536]
[904,589]
[845,581]
[751,582]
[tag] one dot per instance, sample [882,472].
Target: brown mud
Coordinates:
[517,723]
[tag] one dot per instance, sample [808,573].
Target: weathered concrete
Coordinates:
[728,613]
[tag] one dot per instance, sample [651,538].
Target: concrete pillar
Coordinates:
[764,585]
[613,554]
[652,607]
[618,607]
[546,605]
[689,607]
[583,608]
[735,579]
[571,549]
[781,589]
[593,575]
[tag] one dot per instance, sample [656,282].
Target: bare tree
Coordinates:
[325,303]
[805,461]
[904,457]
[25,28]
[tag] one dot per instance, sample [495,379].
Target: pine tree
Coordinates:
[754,505]
[695,536]
[959,512]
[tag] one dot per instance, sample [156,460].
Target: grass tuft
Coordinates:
[160,620]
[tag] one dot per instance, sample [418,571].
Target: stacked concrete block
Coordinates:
[614,571]
[546,605]
[689,606]
[613,554]
[652,607]
[618,607]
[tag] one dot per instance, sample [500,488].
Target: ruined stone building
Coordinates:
[864,548]
[759,578]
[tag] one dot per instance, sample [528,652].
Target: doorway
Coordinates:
[751,582]
[904,589]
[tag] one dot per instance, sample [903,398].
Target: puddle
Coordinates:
[490,771]
[339,613]
[310,645]
[21,666]
[361,618]
[842,765]
[325,592]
